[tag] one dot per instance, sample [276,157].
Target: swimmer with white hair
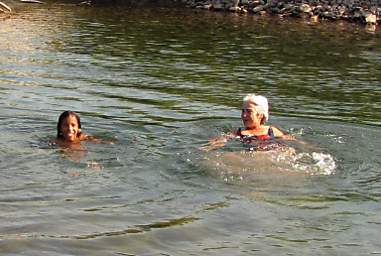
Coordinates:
[254,115]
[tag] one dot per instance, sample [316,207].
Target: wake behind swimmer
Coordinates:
[267,149]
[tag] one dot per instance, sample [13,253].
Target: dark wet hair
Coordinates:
[62,117]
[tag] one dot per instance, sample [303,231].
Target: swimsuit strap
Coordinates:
[239,132]
[271,133]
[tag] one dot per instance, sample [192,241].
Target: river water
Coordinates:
[159,83]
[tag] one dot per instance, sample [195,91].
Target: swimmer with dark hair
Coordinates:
[70,135]
[69,128]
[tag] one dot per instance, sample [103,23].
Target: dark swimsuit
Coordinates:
[248,138]
[258,142]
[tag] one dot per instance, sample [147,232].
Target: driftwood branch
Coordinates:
[5,6]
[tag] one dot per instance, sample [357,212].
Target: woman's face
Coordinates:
[250,117]
[70,129]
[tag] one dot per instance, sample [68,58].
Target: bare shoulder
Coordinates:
[278,133]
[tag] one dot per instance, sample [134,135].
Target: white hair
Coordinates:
[260,102]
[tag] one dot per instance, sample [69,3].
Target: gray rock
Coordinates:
[305,8]
[258,9]
[370,18]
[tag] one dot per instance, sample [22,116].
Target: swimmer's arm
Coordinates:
[282,135]
[218,142]
[86,137]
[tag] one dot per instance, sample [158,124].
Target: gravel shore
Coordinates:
[361,11]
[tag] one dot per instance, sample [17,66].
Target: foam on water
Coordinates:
[246,166]
[315,163]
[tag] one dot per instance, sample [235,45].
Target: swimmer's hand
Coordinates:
[212,146]
[287,137]
[92,164]
[97,140]
[217,142]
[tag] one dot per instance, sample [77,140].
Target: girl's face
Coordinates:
[250,117]
[69,129]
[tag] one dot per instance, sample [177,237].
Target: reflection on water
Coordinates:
[159,83]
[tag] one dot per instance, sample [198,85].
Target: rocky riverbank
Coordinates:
[359,11]
[362,11]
